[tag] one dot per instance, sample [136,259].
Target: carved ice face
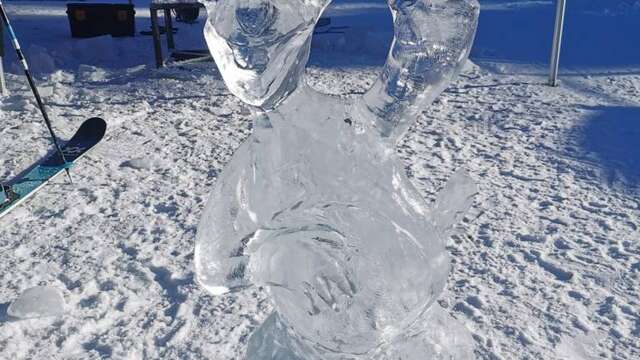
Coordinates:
[261,47]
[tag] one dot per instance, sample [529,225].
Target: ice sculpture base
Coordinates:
[435,336]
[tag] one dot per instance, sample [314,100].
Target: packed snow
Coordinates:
[547,266]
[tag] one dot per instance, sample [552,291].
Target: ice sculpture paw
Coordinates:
[316,207]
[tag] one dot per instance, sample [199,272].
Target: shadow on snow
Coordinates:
[592,41]
[612,135]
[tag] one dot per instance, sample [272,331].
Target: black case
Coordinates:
[91,20]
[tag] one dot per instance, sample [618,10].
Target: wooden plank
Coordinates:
[168,26]
[155,30]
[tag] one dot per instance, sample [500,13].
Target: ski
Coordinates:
[27,184]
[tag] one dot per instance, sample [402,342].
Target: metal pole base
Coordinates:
[3,82]
[557,43]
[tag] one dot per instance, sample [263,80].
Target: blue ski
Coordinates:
[24,186]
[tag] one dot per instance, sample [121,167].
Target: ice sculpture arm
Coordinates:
[432,42]
[226,227]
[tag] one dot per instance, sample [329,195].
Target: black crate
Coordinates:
[188,14]
[124,23]
[91,20]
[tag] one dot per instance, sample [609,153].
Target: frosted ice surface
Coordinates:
[261,47]
[37,302]
[315,205]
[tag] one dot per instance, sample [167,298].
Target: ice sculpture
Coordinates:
[316,207]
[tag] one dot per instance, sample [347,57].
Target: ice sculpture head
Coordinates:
[261,47]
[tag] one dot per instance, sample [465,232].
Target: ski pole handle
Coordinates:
[14,38]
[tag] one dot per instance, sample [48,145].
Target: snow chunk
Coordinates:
[37,302]
[139,164]
[40,60]
[91,73]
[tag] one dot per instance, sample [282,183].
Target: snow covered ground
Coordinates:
[548,264]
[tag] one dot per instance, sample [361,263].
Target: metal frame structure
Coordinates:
[166,8]
[557,42]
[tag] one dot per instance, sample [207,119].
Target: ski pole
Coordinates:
[32,85]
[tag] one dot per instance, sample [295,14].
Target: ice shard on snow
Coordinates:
[37,302]
[315,206]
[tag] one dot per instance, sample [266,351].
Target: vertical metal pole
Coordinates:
[557,43]
[3,83]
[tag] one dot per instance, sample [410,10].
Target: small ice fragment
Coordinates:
[37,302]
[46,91]
[138,164]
